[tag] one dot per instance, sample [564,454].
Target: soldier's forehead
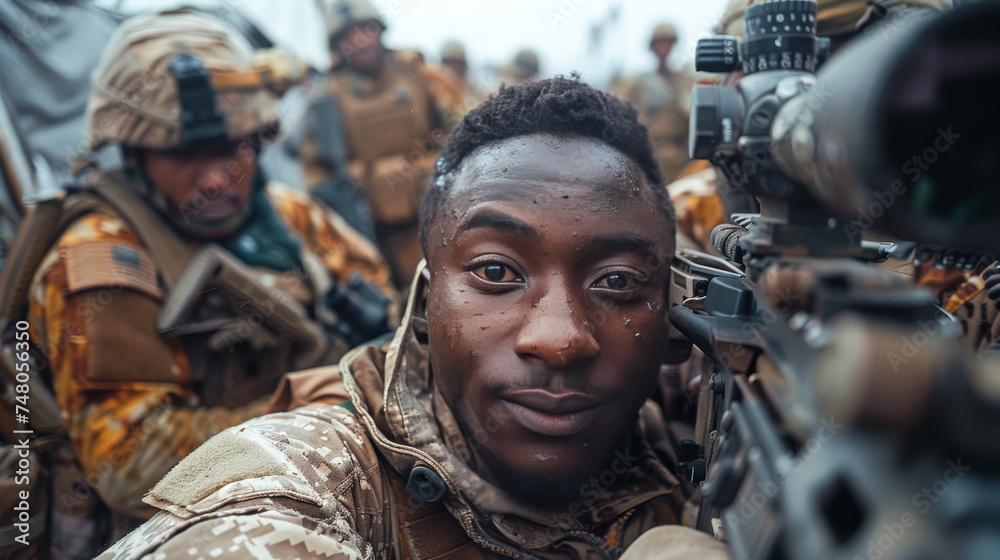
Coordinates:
[544,159]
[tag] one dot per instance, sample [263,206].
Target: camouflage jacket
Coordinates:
[127,393]
[324,480]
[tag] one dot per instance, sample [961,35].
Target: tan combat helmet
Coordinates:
[342,14]
[526,64]
[663,32]
[135,99]
[453,50]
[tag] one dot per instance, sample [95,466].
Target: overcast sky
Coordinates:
[562,31]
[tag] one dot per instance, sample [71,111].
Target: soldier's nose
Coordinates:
[557,331]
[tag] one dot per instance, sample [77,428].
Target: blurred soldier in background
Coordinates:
[453,57]
[173,295]
[524,68]
[662,98]
[456,66]
[391,124]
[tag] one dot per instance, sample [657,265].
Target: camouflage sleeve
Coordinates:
[342,250]
[122,388]
[259,535]
[304,484]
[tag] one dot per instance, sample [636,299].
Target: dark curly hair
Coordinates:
[562,107]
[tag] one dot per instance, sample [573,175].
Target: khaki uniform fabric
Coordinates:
[325,481]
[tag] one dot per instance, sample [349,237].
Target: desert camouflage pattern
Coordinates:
[394,127]
[134,99]
[317,481]
[133,399]
[342,250]
[697,205]
[962,293]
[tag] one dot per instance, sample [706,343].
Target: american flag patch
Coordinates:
[101,264]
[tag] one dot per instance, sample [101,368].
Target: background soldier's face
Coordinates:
[362,47]
[549,272]
[662,47]
[210,183]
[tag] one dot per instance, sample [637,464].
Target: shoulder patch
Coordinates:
[100,264]
[236,464]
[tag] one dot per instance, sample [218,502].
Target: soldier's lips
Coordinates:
[551,414]
[218,210]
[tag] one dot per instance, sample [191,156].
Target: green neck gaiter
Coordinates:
[264,240]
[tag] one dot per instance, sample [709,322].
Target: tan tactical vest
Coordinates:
[391,142]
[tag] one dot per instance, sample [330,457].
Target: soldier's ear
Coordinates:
[425,282]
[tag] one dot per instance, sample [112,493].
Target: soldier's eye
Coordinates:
[619,281]
[496,272]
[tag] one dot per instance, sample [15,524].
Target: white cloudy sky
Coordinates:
[492,30]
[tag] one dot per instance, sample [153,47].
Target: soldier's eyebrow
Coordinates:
[622,243]
[493,219]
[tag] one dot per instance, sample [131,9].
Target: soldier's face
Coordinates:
[208,184]
[362,47]
[549,267]
[457,65]
[662,48]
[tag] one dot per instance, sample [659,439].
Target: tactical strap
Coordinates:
[170,253]
[35,235]
[42,225]
[428,531]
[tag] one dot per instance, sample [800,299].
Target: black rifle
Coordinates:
[844,418]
